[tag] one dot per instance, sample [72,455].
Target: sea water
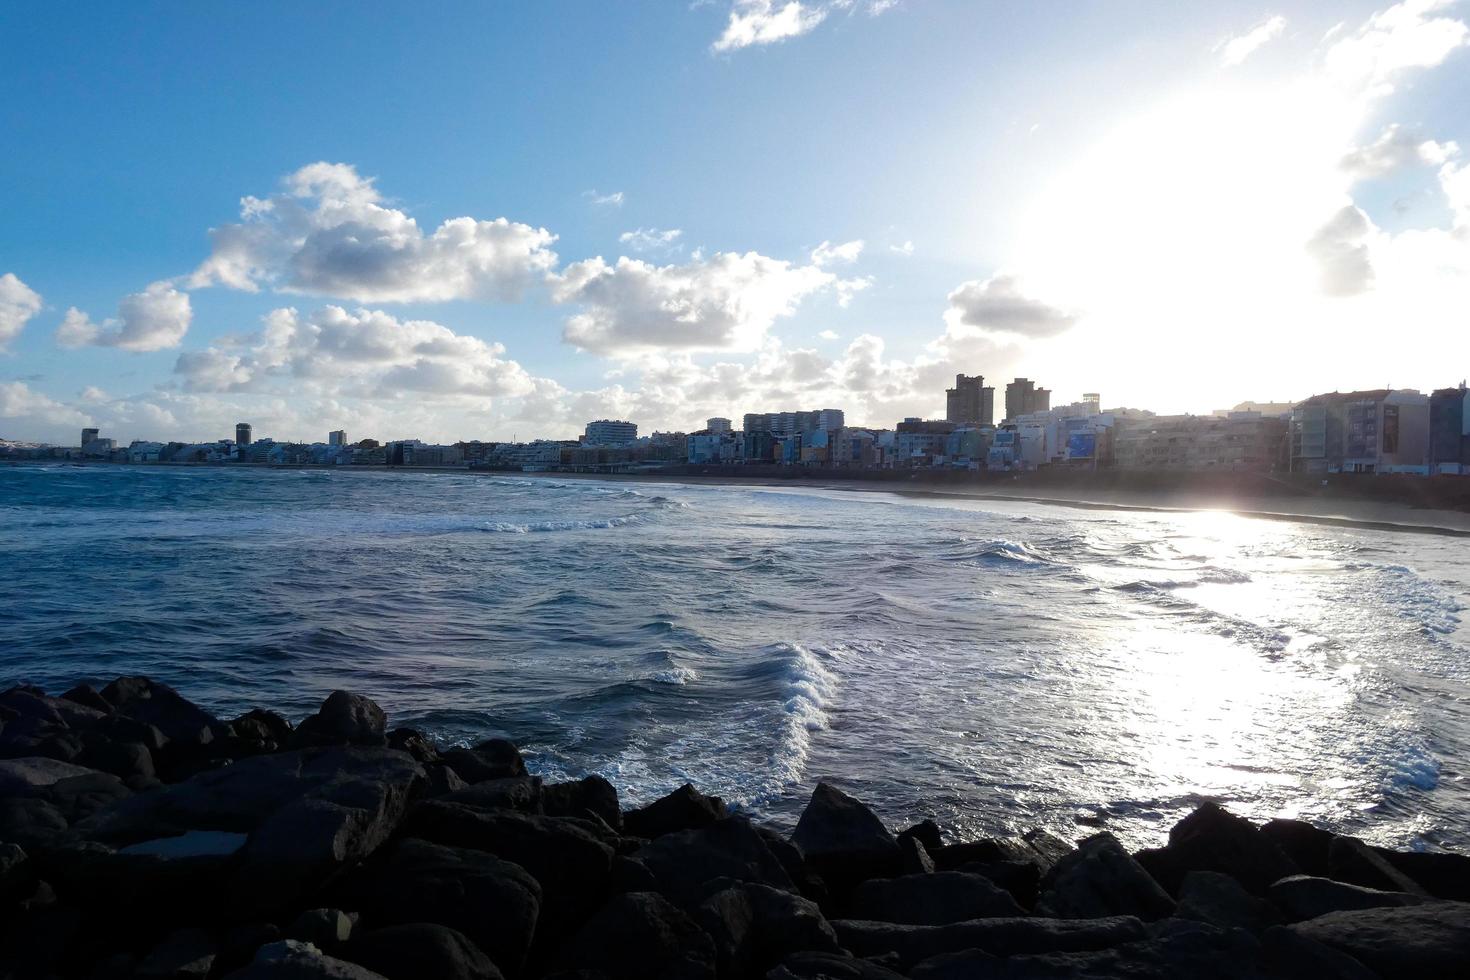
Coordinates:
[995,665]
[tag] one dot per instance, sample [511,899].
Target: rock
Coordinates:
[238,943]
[1354,862]
[926,832]
[913,857]
[1213,839]
[1304,844]
[1035,847]
[932,899]
[290,959]
[17,873]
[184,955]
[1022,879]
[1286,954]
[164,708]
[35,704]
[568,859]
[685,861]
[830,966]
[593,794]
[495,903]
[30,822]
[1426,941]
[1442,875]
[684,809]
[121,729]
[415,744]
[1220,900]
[522,793]
[192,844]
[86,695]
[492,759]
[754,927]
[999,937]
[266,728]
[1305,897]
[344,719]
[1099,880]
[421,949]
[326,929]
[441,780]
[31,776]
[125,760]
[834,825]
[641,935]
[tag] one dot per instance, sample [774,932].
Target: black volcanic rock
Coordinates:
[1442,875]
[684,809]
[1306,845]
[496,904]
[592,794]
[926,832]
[999,937]
[522,793]
[1356,863]
[641,936]
[830,966]
[291,959]
[421,949]
[159,705]
[914,857]
[1426,942]
[932,899]
[187,954]
[1100,880]
[1305,897]
[1213,839]
[494,758]
[88,697]
[755,926]
[836,825]
[684,862]
[1220,900]
[343,719]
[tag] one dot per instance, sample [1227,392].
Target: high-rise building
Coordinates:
[794,423]
[242,434]
[1093,401]
[1023,398]
[89,435]
[337,437]
[717,425]
[970,401]
[1449,430]
[1378,431]
[610,432]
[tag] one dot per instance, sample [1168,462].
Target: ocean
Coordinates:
[994,665]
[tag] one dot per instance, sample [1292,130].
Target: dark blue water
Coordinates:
[996,665]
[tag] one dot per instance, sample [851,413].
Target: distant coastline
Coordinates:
[1411,505]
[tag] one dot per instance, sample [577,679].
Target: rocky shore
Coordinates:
[140,836]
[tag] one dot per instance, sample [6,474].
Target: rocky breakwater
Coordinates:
[141,836]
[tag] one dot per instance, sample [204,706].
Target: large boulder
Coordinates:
[1214,839]
[1302,897]
[522,793]
[1354,862]
[494,758]
[494,903]
[157,704]
[686,808]
[999,937]
[641,936]
[932,899]
[1306,845]
[187,954]
[590,795]
[1220,900]
[1442,875]
[844,841]
[291,959]
[1100,880]
[684,862]
[421,949]
[830,966]
[1427,942]
[344,719]
[754,927]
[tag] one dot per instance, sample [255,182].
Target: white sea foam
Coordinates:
[674,675]
[810,692]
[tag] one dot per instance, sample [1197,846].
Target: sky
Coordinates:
[502,220]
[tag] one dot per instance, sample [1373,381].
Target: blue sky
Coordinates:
[1182,206]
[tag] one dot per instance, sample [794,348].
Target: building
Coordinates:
[610,432]
[783,424]
[337,438]
[1376,431]
[712,446]
[920,442]
[1024,398]
[1240,442]
[242,434]
[1449,431]
[88,435]
[969,402]
[717,425]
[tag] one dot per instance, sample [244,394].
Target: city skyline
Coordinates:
[1180,212]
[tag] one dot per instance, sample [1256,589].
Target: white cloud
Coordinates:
[365,354]
[998,305]
[36,414]
[725,302]
[1341,249]
[18,303]
[329,233]
[155,319]
[1407,35]
[827,254]
[906,249]
[613,200]
[1395,149]
[651,239]
[756,22]
[1237,49]
[828,335]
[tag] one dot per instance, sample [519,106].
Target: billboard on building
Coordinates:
[1082,445]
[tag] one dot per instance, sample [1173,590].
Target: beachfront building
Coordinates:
[970,401]
[337,437]
[855,448]
[1239,442]
[1449,431]
[242,434]
[610,432]
[1375,431]
[713,446]
[88,435]
[793,423]
[1024,398]
[717,425]
[921,442]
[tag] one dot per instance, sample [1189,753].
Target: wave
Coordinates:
[810,691]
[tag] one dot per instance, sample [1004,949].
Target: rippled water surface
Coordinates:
[995,665]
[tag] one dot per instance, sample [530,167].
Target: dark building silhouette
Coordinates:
[1449,430]
[242,434]
[1023,398]
[969,402]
